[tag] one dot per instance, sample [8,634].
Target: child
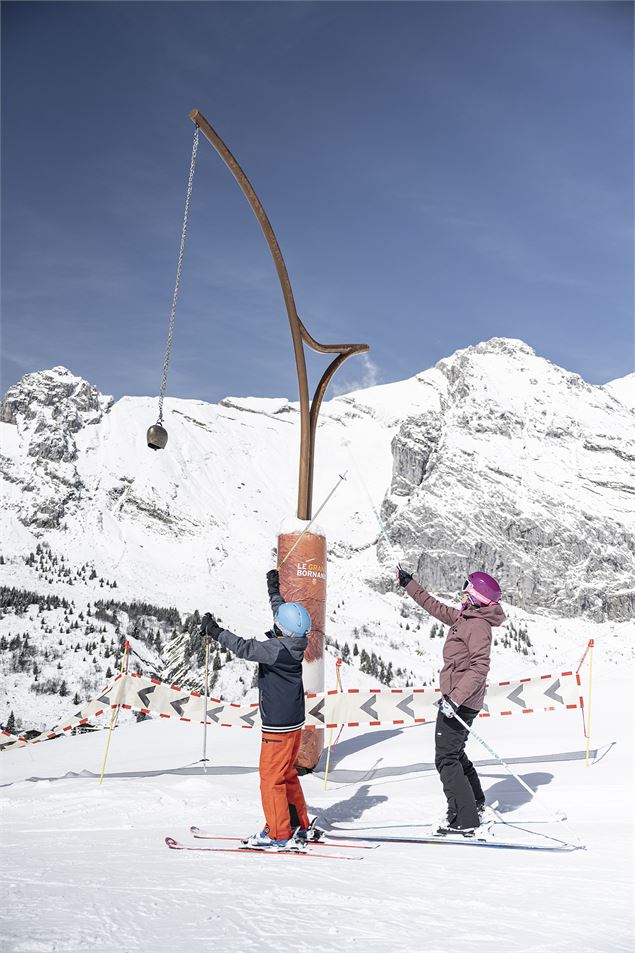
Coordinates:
[281,701]
[466,661]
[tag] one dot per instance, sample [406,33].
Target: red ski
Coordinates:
[178,845]
[206,835]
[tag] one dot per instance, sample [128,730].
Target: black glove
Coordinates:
[273,582]
[446,706]
[403,576]
[210,627]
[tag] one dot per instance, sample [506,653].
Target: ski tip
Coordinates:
[194,829]
[170,842]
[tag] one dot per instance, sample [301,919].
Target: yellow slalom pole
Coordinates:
[115,711]
[328,753]
[588,717]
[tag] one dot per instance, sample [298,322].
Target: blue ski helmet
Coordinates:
[293,619]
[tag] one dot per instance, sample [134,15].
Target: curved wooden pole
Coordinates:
[300,336]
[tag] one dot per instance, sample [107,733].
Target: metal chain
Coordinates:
[168,347]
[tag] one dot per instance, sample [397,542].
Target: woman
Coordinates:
[466,661]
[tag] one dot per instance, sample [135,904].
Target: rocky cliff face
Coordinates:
[48,409]
[526,472]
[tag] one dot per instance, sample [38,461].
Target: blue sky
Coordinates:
[436,174]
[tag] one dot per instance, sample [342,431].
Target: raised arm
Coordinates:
[439,610]
[273,588]
[252,650]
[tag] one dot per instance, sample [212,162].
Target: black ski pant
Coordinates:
[458,775]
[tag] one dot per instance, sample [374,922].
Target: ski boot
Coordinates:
[449,831]
[309,834]
[262,841]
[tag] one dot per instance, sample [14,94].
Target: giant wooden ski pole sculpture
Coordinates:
[303,579]
[309,409]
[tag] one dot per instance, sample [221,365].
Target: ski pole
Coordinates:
[588,717]
[338,686]
[372,506]
[115,711]
[498,758]
[588,648]
[206,696]
[313,519]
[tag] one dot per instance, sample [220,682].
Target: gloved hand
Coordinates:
[273,582]
[210,627]
[403,576]
[446,707]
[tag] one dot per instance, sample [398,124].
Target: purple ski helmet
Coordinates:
[482,589]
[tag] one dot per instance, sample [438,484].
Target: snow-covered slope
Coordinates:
[89,870]
[623,389]
[495,459]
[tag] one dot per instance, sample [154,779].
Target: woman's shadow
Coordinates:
[509,794]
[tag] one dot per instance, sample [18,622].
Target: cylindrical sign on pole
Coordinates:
[303,579]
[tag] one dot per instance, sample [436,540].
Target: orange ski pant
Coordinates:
[279,785]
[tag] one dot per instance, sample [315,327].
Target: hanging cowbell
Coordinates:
[157,437]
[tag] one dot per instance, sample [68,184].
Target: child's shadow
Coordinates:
[351,809]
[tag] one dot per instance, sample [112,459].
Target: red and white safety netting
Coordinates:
[355,708]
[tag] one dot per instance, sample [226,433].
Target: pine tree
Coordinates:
[10,726]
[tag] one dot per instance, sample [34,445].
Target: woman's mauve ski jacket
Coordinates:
[466,652]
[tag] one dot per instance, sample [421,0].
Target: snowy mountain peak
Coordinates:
[65,393]
[49,407]
[511,347]
[527,472]
[42,418]
[504,363]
